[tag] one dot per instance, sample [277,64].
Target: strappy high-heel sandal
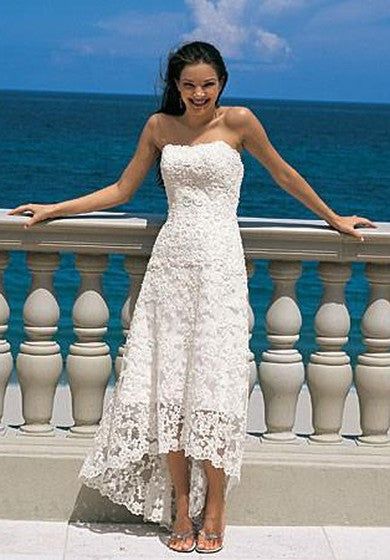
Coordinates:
[209,536]
[182,536]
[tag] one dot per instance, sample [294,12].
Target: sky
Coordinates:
[274,49]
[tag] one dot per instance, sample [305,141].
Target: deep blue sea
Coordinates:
[55,146]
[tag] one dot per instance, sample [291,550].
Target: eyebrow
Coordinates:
[189,80]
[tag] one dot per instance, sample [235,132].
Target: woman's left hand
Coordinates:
[346,224]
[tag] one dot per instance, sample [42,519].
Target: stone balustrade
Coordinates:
[281,372]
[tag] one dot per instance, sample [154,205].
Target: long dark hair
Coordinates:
[187,53]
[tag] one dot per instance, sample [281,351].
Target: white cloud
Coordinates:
[228,25]
[269,45]
[128,34]
[236,27]
[218,23]
[278,6]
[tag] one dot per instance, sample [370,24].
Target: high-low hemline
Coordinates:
[184,378]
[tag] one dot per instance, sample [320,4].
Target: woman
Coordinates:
[170,442]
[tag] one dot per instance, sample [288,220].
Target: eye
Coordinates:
[208,84]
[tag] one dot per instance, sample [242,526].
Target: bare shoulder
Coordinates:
[152,129]
[160,125]
[238,116]
[163,120]
[153,122]
[242,122]
[158,119]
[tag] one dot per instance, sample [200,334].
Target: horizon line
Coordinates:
[154,95]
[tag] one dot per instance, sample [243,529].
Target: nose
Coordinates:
[199,92]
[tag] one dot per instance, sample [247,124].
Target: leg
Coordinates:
[178,468]
[214,513]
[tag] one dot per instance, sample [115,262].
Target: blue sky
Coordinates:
[284,49]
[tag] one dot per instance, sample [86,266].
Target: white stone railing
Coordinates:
[285,244]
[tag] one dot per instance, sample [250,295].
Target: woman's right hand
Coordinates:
[40,212]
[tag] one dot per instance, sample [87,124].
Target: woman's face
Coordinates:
[199,87]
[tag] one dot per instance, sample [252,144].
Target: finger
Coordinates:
[354,233]
[365,222]
[30,222]
[369,223]
[19,209]
[365,225]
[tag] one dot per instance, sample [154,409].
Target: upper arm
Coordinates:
[143,159]
[256,141]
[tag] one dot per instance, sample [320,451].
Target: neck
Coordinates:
[199,121]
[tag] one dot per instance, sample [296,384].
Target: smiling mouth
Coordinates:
[199,103]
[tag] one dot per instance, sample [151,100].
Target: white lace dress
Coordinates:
[185,370]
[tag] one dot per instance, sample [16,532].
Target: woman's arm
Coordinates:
[255,140]
[112,195]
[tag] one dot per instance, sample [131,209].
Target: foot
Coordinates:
[210,536]
[182,538]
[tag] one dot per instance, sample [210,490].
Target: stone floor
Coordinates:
[41,540]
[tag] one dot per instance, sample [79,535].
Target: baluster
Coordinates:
[89,362]
[39,362]
[6,361]
[281,370]
[253,371]
[135,267]
[329,373]
[372,373]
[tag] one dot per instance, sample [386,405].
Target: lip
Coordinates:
[202,101]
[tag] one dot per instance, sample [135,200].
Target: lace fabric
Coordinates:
[185,370]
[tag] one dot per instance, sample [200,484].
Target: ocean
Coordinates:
[55,146]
